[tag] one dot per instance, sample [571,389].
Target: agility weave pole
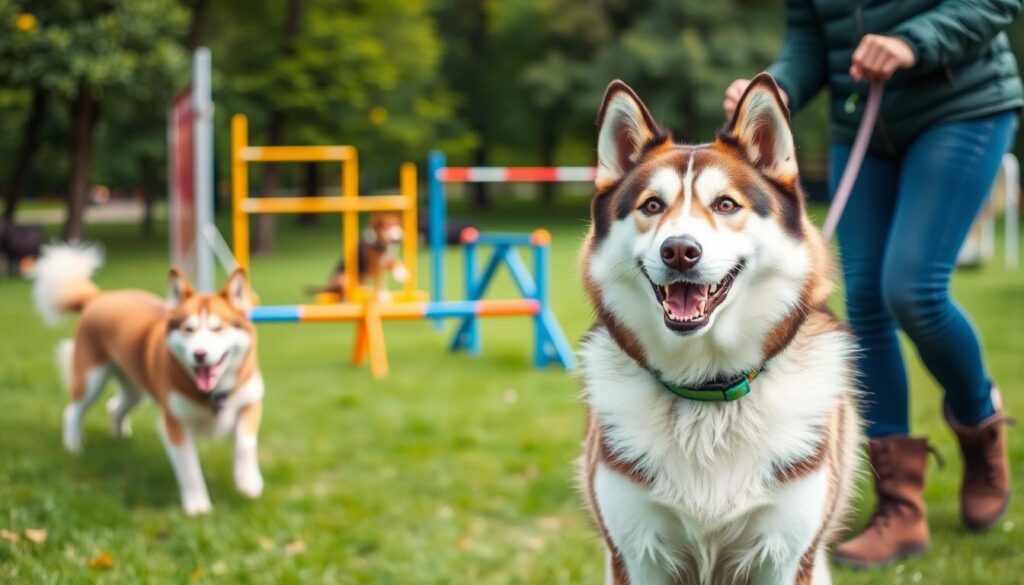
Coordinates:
[193,235]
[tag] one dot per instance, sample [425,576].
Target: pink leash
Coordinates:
[860,148]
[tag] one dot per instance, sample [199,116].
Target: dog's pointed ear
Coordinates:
[760,128]
[236,291]
[178,288]
[625,131]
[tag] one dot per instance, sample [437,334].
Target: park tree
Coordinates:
[680,55]
[19,30]
[471,72]
[530,73]
[361,72]
[85,53]
[559,71]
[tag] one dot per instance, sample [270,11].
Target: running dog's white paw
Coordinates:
[384,296]
[196,505]
[72,429]
[249,481]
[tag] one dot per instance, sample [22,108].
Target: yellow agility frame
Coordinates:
[349,204]
[361,305]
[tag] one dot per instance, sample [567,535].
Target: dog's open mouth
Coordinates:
[688,305]
[206,376]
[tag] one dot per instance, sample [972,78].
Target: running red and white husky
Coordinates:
[193,354]
[723,432]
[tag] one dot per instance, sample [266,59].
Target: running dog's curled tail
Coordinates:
[63,279]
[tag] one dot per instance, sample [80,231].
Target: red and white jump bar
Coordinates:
[515,174]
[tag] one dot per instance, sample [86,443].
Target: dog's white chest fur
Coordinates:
[204,421]
[712,496]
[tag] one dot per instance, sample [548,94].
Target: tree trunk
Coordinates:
[479,193]
[548,144]
[84,114]
[30,139]
[265,236]
[480,117]
[195,25]
[311,188]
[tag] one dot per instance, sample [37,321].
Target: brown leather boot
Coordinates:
[985,491]
[899,525]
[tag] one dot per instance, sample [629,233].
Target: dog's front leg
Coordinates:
[379,286]
[788,534]
[812,568]
[248,478]
[637,529]
[181,450]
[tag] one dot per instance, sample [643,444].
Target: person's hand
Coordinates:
[734,92]
[877,58]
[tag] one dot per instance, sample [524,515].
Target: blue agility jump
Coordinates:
[550,344]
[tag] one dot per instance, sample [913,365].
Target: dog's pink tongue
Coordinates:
[204,378]
[683,298]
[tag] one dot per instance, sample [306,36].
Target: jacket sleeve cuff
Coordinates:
[915,47]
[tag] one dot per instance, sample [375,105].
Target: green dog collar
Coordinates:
[715,391]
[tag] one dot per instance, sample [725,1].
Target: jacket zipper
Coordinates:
[858,18]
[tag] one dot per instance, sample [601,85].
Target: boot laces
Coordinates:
[887,507]
[885,512]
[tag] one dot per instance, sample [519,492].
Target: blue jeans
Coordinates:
[898,240]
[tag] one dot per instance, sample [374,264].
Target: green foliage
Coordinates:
[126,53]
[119,45]
[394,78]
[546,64]
[357,72]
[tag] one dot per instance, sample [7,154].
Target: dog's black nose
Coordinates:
[680,252]
[200,355]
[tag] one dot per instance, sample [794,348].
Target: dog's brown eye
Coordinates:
[653,206]
[726,205]
[190,329]
[216,328]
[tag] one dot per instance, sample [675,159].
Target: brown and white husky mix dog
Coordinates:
[193,354]
[379,254]
[710,282]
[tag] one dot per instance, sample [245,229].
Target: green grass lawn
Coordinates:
[454,469]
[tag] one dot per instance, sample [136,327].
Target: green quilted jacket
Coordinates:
[964,65]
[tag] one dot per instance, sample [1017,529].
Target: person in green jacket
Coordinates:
[948,116]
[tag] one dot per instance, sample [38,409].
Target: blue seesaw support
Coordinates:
[550,343]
